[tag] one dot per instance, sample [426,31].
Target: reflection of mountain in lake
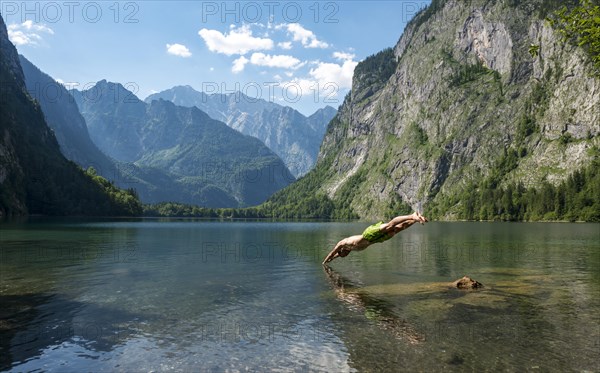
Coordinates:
[32,323]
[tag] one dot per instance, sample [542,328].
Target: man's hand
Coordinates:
[338,251]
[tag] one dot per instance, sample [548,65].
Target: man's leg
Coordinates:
[405,224]
[402,222]
[399,223]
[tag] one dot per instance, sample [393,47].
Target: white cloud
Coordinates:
[19,38]
[30,26]
[260,59]
[325,78]
[281,60]
[308,86]
[343,56]
[238,41]
[285,45]
[27,32]
[306,37]
[314,43]
[178,50]
[341,75]
[239,64]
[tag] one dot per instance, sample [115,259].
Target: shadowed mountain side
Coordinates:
[63,117]
[69,127]
[35,177]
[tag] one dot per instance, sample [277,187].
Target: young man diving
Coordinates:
[375,233]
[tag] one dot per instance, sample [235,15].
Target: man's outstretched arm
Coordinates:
[346,245]
[333,253]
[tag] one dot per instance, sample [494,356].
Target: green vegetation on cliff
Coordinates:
[123,202]
[575,199]
[377,68]
[581,26]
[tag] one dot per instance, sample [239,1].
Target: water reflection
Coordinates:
[32,323]
[374,309]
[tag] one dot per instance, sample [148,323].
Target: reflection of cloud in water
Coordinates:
[36,322]
[322,360]
[280,351]
[203,344]
[75,356]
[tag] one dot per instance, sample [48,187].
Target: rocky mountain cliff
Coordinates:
[211,164]
[291,135]
[459,99]
[12,196]
[35,177]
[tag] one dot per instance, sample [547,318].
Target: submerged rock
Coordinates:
[467,283]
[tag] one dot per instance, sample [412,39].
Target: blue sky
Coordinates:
[300,54]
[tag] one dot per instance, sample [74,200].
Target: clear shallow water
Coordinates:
[252,296]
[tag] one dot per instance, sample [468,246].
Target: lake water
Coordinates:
[183,295]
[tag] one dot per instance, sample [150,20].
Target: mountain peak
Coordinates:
[10,56]
[113,91]
[326,109]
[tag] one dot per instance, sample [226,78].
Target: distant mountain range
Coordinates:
[293,136]
[69,127]
[183,154]
[172,153]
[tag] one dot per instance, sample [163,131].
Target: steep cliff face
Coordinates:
[458,95]
[63,117]
[12,197]
[35,177]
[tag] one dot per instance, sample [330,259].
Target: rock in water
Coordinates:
[467,283]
